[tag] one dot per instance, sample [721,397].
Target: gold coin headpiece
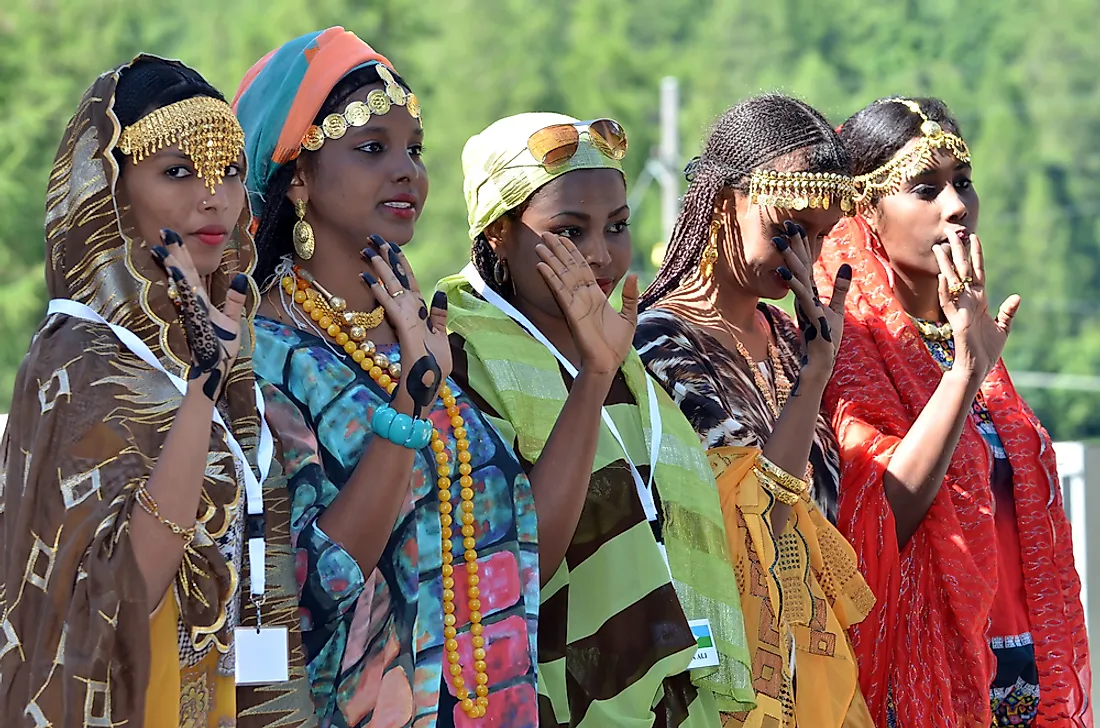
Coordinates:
[204,128]
[911,162]
[800,190]
[358,113]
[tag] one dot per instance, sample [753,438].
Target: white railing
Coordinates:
[1079,471]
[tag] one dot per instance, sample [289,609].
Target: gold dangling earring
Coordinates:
[710,253]
[304,243]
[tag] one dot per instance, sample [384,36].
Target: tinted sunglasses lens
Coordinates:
[554,144]
[609,136]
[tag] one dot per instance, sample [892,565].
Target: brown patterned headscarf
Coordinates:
[87,424]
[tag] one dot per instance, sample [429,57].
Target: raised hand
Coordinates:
[425,351]
[603,335]
[822,326]
[979,337]
[213,334]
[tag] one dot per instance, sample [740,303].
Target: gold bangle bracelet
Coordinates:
[145,500]
[788,482]
[781,494]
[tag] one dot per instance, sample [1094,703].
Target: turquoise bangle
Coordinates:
[421,435]
[400,429]
[383,418]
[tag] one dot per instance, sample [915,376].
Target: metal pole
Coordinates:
[669,154]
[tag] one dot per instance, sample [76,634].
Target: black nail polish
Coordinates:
[370,254]
[160,252]
[171,237]
[368,278]
[240,283]
[845,272]
[789,227]
[365,253]
[780,243]
[798,230]
[439,300]
[378,240]
[177,274]
[784,273]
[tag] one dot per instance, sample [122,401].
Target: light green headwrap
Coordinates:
[500,172]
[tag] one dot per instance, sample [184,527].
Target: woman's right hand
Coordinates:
[213,334]
[979,337]
[603,335]
[425,351]
[822,326]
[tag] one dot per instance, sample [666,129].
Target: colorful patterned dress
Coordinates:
[374,640]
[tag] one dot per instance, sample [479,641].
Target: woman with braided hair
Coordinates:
[770,184]
[949,487]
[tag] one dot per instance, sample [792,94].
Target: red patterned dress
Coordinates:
[950,595]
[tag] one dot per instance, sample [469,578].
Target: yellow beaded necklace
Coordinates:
[318,304]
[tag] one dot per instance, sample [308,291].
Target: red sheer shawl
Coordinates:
[926,639]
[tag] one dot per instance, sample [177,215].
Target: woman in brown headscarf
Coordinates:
[122,507]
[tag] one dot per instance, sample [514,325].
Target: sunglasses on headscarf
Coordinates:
[555,144]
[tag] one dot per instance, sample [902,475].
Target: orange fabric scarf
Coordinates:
[925,641]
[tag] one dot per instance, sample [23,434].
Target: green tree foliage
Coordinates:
[1020,76]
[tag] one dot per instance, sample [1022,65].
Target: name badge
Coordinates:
[262,655]
[706,652]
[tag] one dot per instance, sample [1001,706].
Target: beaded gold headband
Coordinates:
[799,190]
[204,128]
[358,113]
[911,162]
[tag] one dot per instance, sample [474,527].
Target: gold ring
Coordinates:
[399,293]
[956,288]
[968,279]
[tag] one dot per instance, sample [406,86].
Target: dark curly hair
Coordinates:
[749,136]
[875,133]
[482,255]
[273,234]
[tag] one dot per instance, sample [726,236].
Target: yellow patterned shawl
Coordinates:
[87,423]
[800,593]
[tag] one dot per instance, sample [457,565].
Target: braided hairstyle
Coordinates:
[485,259]
[749,136]
[874,134]
[273,234]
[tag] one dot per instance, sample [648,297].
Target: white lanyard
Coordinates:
[253,492]
[645,492]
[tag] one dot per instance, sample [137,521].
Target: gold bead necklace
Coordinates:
[320,305]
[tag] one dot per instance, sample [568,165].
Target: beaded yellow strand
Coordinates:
[386,373]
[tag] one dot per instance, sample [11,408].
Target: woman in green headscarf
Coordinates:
[541,351]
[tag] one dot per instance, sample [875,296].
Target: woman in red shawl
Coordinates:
[949,488]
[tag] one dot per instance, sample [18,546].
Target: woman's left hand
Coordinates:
[213,333]
[603,335]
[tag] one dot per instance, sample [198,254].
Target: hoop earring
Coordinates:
[710,253]
[501,274]
[304,243]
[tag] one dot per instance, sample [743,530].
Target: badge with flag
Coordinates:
[706,653]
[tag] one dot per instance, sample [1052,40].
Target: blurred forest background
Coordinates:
[1021,76]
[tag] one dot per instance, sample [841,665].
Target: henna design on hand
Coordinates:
[207,352]
[422,393]
[398,267]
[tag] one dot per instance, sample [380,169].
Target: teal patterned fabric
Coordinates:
[374,642]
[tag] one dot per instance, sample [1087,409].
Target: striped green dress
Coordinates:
[614,640]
